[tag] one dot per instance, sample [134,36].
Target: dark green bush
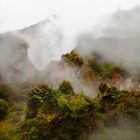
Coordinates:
[3,109]
[78,115]
[66,88]
[38,96]
[4,136]
[5,91]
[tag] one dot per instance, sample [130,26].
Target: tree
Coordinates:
[37,96]
[66,87]
[73,58]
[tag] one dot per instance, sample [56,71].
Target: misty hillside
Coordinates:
[14,62]
[92,92]
[86,109]
[33,29]
[120,50]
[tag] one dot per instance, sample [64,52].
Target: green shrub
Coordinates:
[5,91]
[77,115]
[4,136]
[9,131]
[38,96]
[66,88]
[73,58]
[35,129]
[3,109]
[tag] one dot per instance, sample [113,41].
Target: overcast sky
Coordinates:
[73,14]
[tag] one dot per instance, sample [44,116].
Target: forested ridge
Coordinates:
[42,111]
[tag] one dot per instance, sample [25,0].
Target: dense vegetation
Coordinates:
[44,112]
[96,65]
[56,114]
[12,110]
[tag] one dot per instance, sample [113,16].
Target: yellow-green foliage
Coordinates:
[73,116]
[66,87]
[72,104]
[8,131]
[104,69]
[73,58]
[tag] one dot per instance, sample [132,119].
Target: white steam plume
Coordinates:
[46,41]
[118,39]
